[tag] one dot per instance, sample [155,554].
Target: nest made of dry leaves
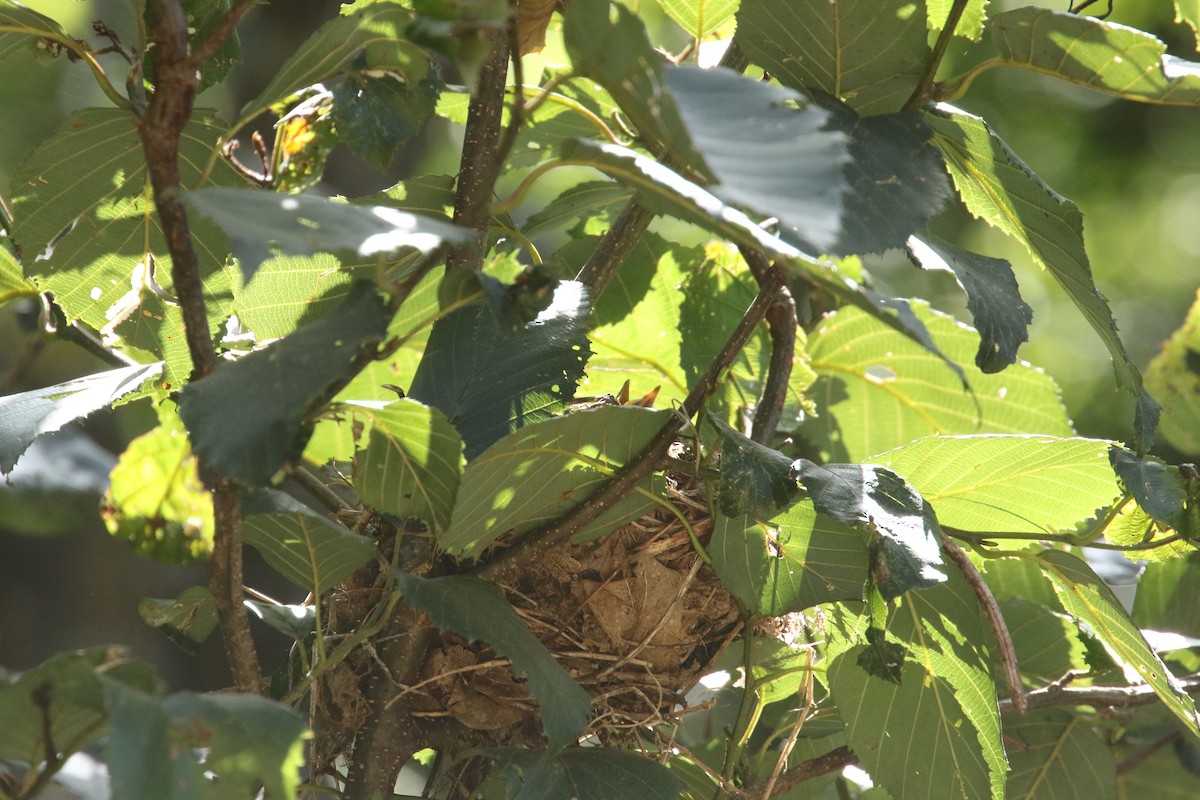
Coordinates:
[634,617]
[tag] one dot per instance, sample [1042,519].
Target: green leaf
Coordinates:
[1055,755]
[295,622]
[1166,597]
[793,561]
[1161,491]
[580,201]
[839,183]
[65,692]
[189,618]
[477,610]
[608,44]
[308,549]
[28,415]
[376,31]
[1102,56]
[86,190]
[374,114]
[1189,11]
[998,484]
[998,188]
[255,742]
[905,553]
[1090,601]
[885,720]
[1174,379]
[156,499]
[304,224]
[412,463]
[594,773]
[31,24]
[667,192]
[1048,643]
[143,757]
[1162,775]
[278,388]
[876,392]
[537,474]
[868,55]
[699,17]
[755,480]
[13,283]
[490,381]
[1001,316]
[970,25]
[203,17]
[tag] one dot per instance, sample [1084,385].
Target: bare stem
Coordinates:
[924,90]
[781,326]
[205,50]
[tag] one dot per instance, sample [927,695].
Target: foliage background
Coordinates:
[1133,169]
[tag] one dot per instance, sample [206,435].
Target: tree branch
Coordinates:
[987,601]
[1094,696]
[924,90]
[204,50]
[504,564]
[479,166]
[807,770]
[160,129]
[781,326]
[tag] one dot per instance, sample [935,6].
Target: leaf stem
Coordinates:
[80,50]
[925,86]
[781,327]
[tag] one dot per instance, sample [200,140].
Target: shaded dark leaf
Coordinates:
[586,773]
[1001,316]
[374,114]
[1159,489]
[905,551]
[489,381]
[477,610]
[755,480]
[881,658]
[277,388]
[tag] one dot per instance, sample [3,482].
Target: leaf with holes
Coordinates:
[1020,484]
[412,462]
[876,392]
[535,475]
[1089,600]
[869,55]
[308,549]
[476,609]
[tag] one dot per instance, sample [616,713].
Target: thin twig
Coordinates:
[924,89]
[794,734]
[1136,759]
[781,327]
[987,601]
[205,50]
[1095,696]
[479,168]
[531,545]
[832,761]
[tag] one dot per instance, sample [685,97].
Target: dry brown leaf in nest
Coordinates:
[533,16]
[489,702]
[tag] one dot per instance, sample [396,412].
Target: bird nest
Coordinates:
[635,618]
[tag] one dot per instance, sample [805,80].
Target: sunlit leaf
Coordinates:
[1098,54]
[411,464]
[970,25]
[1166,597]
[876,392]
[13,283]
[535,475]
[477,610]
[1174,379]
[1020,484]
[489,381]
[582,200]
[28,415]
[32,24]
[277,388]
[998,188]
[1090,601]
[868,55]
[1049,644]
[156,500]
[700,17]
[308,549]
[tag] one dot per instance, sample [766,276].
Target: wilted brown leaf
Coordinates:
[532,18]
